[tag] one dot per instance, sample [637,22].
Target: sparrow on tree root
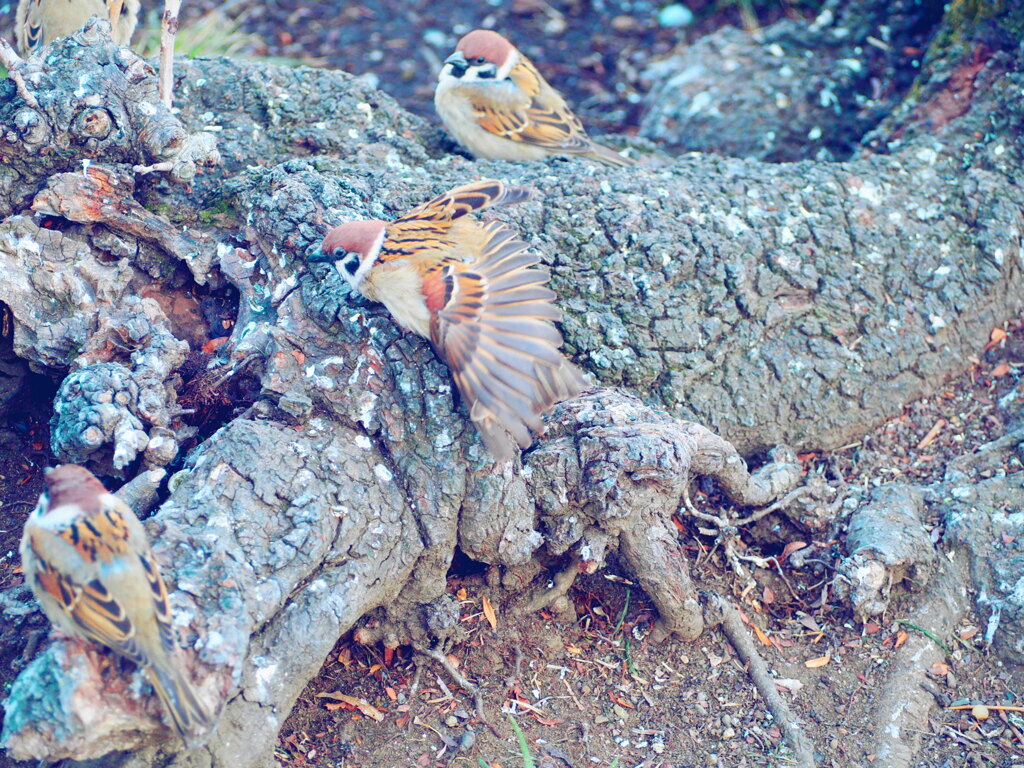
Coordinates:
[87,560]
[472,289]
[499,107]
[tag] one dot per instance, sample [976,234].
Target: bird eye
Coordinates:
[478,61]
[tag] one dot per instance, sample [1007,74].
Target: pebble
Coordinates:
[979,712]
[468,739]
[675,15]
[624,23]
[451,721]
[436,38]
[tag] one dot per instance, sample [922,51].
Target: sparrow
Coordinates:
[499,107]
[471,289]
[86,557]
[40,22]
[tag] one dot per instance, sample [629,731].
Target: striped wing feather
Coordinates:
[543,120]
[495,332]
[427,226]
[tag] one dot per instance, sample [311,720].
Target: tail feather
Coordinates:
[190,717]
[608,156]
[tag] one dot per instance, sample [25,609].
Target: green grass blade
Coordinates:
[524,745]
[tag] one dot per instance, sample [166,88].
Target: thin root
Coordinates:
[562,582]
[732,625]
[460,680]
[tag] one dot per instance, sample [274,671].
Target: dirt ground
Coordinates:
[593,691]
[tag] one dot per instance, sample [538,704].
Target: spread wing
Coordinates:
[469,198]
[426,227]
[495,332]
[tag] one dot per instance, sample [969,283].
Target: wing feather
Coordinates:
[427,227]
[496,334]
[542,120]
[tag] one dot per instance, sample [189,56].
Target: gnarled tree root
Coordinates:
[902,714]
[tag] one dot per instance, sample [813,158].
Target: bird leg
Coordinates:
[168,30]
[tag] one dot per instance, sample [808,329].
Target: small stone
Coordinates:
[728,733]
[468,739]
[675,15]
[451,721]
[624,23]
[979,712]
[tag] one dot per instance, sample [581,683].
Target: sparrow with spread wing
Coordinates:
[86,557]
[40,22]
[472,289]
[499,107]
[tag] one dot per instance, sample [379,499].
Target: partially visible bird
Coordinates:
[40,22]
[499,107]
[470,288]
[86,557]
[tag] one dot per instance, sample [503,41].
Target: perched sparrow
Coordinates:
[469,288]
[86,557]
[40,22]
[498,106]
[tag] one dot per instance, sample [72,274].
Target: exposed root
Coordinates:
[460,680]
[956,471]
[721,609]
[142,170]
[718,459]
[563,581]
[904,703]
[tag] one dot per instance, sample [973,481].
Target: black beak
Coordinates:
[319,257]
[459,64]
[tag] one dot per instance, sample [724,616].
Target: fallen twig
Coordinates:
[460,680]
[13,62]
[732,625]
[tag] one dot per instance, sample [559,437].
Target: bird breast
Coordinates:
[399,287]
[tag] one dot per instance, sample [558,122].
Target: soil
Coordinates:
[592,691]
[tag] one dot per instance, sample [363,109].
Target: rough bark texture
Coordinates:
[796,303]
[904,702]
[887,543]
[984,521]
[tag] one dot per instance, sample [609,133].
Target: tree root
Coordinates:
[902,714]
[563,581]
[724,612]
[460,680]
